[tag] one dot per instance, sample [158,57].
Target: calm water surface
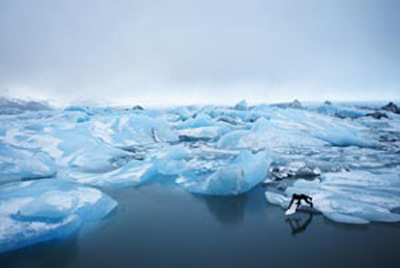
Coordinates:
[162,226]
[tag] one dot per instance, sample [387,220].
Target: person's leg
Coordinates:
[291,203]
[298,203]
[309,201]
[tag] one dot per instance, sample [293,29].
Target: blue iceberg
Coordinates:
[36,211]
[225,174]
[19,163]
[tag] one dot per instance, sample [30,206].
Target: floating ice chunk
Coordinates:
[241,106]
[344,137]
[277,199]
[232,139]
[37,211]
[71,141]
[17,163]
[16,234]
[341,112]
[349,197]
[51,206]
[133,173]
[180,113]
[199,120]
[125,131]
[235,115]
[102,158]
[265,134]
[168,161]
[173,160]
[296,104]
[208,133]
[56,196]
[226,177]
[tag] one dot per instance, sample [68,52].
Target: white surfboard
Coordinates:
[290,211]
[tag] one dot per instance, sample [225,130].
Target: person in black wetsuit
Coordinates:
[298,198]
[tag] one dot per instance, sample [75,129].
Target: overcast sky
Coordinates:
[193,52]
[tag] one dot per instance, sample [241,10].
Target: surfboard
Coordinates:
[290,211]
[302,209]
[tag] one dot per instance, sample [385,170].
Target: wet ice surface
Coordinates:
[346,159]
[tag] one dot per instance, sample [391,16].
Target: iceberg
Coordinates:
[133,173]
[241,106]
[340,111]
[19,163]
[208,133]
[225,175]
[265,134]
[198,120]
[125,131]
[344,137]
[99,159]
[172,160]
[37,211]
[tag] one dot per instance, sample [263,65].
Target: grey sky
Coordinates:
[209,51]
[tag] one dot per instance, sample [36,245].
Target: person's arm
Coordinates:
[291,202]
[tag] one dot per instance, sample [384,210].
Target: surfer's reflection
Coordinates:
[299,225]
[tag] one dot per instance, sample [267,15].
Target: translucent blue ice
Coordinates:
[241,106]
[198,120]
[207,150]
[225,175]
[126,131]
[36,211]
[340,111]
[18,163]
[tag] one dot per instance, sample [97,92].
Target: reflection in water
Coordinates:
[232,210]
[297,224]
[58,253]
[227,210]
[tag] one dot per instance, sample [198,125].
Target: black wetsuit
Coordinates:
[298,198]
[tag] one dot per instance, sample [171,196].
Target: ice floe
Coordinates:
[36,211]
[344,155]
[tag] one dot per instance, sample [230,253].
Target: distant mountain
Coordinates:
[16,106]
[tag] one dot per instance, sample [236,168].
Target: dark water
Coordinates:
[162,226]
